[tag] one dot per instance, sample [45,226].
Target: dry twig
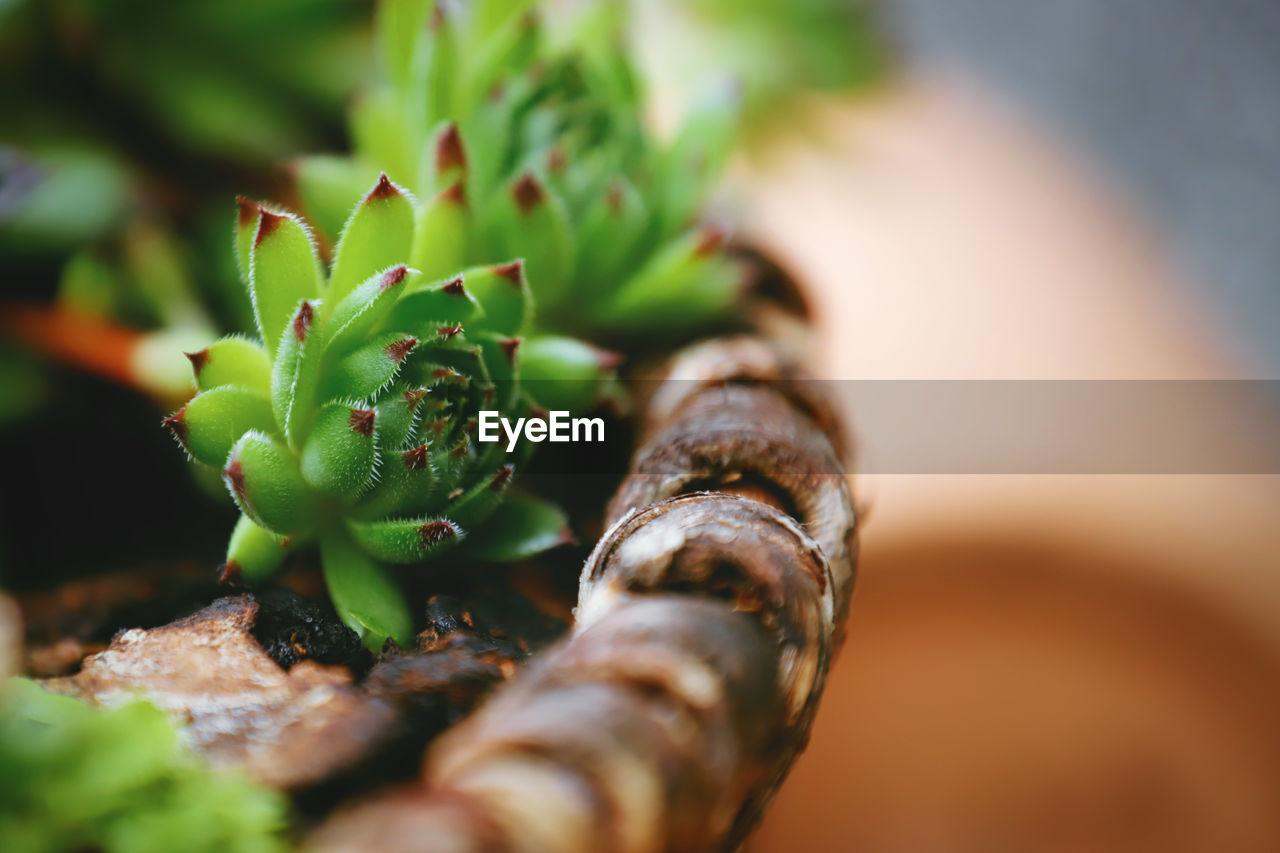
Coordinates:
[707,616]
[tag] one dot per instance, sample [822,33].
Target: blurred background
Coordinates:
[1079,190]
[1031,190]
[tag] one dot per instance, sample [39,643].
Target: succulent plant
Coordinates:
[76,778]
[351,421]
[529,144]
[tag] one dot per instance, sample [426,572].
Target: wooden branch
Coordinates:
[707,617]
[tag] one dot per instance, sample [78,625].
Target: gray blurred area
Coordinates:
[1177,101]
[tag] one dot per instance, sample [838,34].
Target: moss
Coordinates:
[76,778]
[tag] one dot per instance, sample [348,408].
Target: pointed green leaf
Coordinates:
[295,375]
[436,309]
[684,284]
[611,232]
[522,527]
[530,222]
[264,481]
[378,235]
[364,309]
[405,541]
[478,502]
[214,420]
[451,453]
[365,594]
[397,414]
[254,554]
[232,361]
[452,362]
[564,373]
[503,293]
[502,359]
[449,160]
[405,485]
[440,234]
[283,271]
[368,369]
[338,457]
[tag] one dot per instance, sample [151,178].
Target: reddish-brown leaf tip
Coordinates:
[231,573]
[710,241]
[178,423]
[438,426]
[267,225]
[398,351]
[509,347]
[415,459]
[233,474]
[198,360]
[455,193]
[383,190]
[512,272]
[608,359]
[393,277]
[460,451]
[502,478]
[556,160]
[614,198]
[246,211]
[414,397]
[449,151]
[434,532]
[455,287]
[527,193]
[361,421]
[446,332]
[302,320]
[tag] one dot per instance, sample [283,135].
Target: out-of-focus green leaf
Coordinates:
[529,527]
[119,781]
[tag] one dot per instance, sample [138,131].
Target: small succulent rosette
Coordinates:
[535,145]
[353,423]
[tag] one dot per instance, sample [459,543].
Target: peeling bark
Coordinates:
[733,414]
[287,728]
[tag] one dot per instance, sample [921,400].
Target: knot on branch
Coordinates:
[750,439]
[733,549]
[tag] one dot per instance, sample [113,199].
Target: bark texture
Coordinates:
[706,620]
[240,708]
